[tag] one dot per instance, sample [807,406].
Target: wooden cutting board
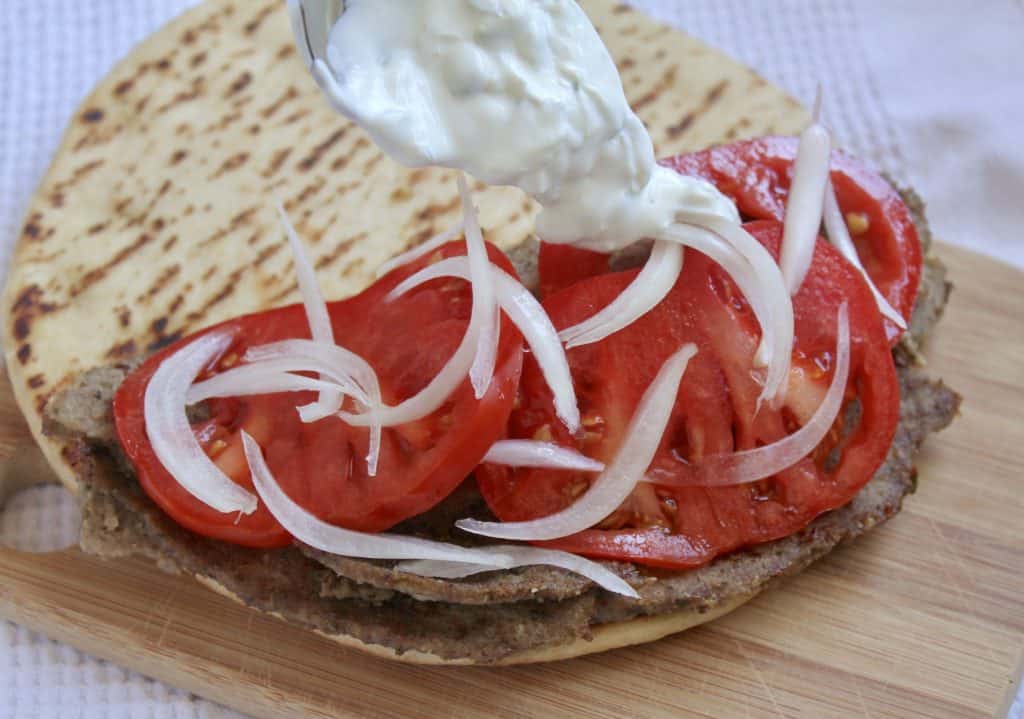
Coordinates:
[923,617]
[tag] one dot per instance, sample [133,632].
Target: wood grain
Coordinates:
[921,618]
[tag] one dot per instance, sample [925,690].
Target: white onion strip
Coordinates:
[760,281]
[805,204]
[529,316]
[272,376]
[754,464]
[323,333]
[171,435]
[839,236]
[313,531]
[482,369]
[523,557]
[616,483]
[340,365]
[542,455]
[656,279]
[422,249]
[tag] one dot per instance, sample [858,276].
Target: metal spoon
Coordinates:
[312,21]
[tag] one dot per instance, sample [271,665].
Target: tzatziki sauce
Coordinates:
[514,92]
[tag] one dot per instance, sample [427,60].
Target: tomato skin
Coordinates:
[322,465]
[757,174]
[684,527]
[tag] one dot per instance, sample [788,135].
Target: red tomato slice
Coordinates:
[756,174]
[322,465]
[681,527]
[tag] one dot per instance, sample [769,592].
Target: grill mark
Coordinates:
[436,209]
[712,96]
[225,291]
[230,165]
[198,59]
[237,221]
[171,242]
[210,272]
[284,293]
[311,160]
[239,84]
[159,283]
[253,25]
[184,96]
[142,104]
[124,315]
[36,381]
[373,162]
[176,304]
[95,275]
[124,87]
[340,249]
[627,63]
[666,81]
[141,218]
[286,51]
[352,266]
[279,158]
[266,253]
[307,192]
[93,115]
[25,353]
[77,174]
[41,402]
[294,117]
[122,350]
[290,94]
[177,157]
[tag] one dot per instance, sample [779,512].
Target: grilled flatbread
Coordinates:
[156,218]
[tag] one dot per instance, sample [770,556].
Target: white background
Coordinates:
[929,90]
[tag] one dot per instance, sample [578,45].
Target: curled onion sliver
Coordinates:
[754,464]
[542,455]
[804,205]
[523,557]
[760,281]
[647,289]
[341,365]
[529,316]
[275,376]
[615,484]
[839,236]
[170,433]
[422,249]
[315,532]
[482,369]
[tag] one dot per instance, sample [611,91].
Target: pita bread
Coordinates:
[157,215]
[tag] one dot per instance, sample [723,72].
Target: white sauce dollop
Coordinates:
[515,92]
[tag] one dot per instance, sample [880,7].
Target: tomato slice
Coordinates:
[322,465]
[681,527]
[756,174]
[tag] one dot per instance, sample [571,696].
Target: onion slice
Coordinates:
[647,289]
[542,455]
[523,557]
[315,532]
[616,483]
[839,236]
[422,249]
[171,435]
[529,316]
[484,307]
[805,204]
[754,464]
[760,281]
[272,376]
[341,365]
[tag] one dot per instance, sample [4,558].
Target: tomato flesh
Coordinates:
[756,174]
[680,527]
[322,465]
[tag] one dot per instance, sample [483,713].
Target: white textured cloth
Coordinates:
[927,92]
